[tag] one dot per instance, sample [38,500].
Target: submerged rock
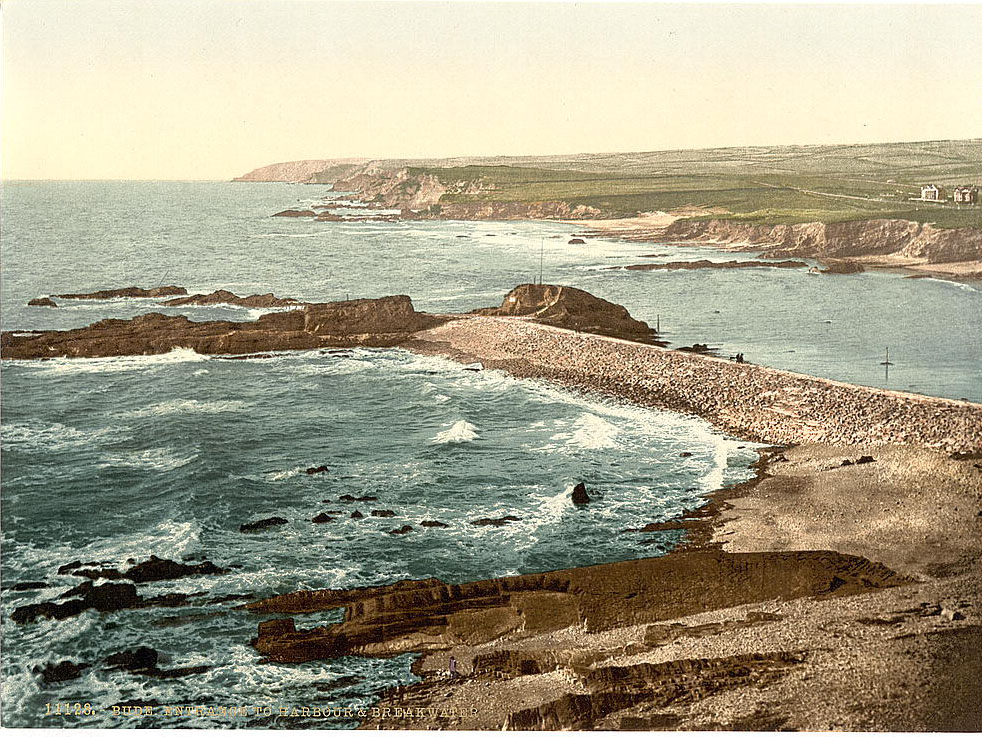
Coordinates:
[495,521]
[356,515]
[319,469]
[349,498]
[433,523]
[29,586]
[322,518]
[402,530]
[262,524]
[140,659]
[42,302]
[295,214]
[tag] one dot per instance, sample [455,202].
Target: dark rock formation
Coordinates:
[108,597]
[573,309]
[349,498]
[42,302]
[433,523]
[383,513]
[579,495]
[29,586]
[356,515]
[322,518]
[386,321]
[319,469]
[402,530]
[295,214]
[169,291]
[262,524]
[576,242]
[495,521]
[685,454]
[224,297]
[161,569]
[143,660]
[139,659]
[66,670]
[68,567]
[696,348]
[706,264]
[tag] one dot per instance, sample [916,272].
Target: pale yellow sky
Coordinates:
[209,89]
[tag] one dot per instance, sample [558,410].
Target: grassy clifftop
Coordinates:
[762,185]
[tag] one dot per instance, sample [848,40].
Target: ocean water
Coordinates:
[111,459]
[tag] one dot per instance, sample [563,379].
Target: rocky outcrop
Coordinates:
[386,321]
[66,670]
[109,597]
[294,214]
[573,309]
[262,524]
[224,297]
[153,569]
[421,616]
[42,302]
[705,264]
[849,239]
[129,292]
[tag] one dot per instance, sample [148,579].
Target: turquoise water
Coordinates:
[110,459]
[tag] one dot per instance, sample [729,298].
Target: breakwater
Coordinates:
[755,402]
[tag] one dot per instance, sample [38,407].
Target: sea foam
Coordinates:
[460,432]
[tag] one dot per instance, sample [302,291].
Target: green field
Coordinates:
[770,185]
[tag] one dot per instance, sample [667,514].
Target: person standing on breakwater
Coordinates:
[453,667]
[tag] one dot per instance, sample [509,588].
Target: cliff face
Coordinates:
[400,189]
[294,171]
[840,240]
[423,192]
[493,210]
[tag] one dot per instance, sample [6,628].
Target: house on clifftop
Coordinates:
[966,195]
[932,193]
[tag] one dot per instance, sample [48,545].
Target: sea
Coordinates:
[116,459]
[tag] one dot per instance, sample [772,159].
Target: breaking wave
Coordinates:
[460,432]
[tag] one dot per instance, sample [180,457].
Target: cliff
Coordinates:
[296,171]
[842,240]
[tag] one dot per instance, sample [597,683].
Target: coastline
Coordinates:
[738,237]
[815,596]
[577,649]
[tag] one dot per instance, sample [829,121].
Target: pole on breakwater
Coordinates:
[542,242]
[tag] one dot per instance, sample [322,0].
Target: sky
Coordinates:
[210,89]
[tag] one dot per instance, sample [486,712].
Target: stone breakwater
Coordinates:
[755,402]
